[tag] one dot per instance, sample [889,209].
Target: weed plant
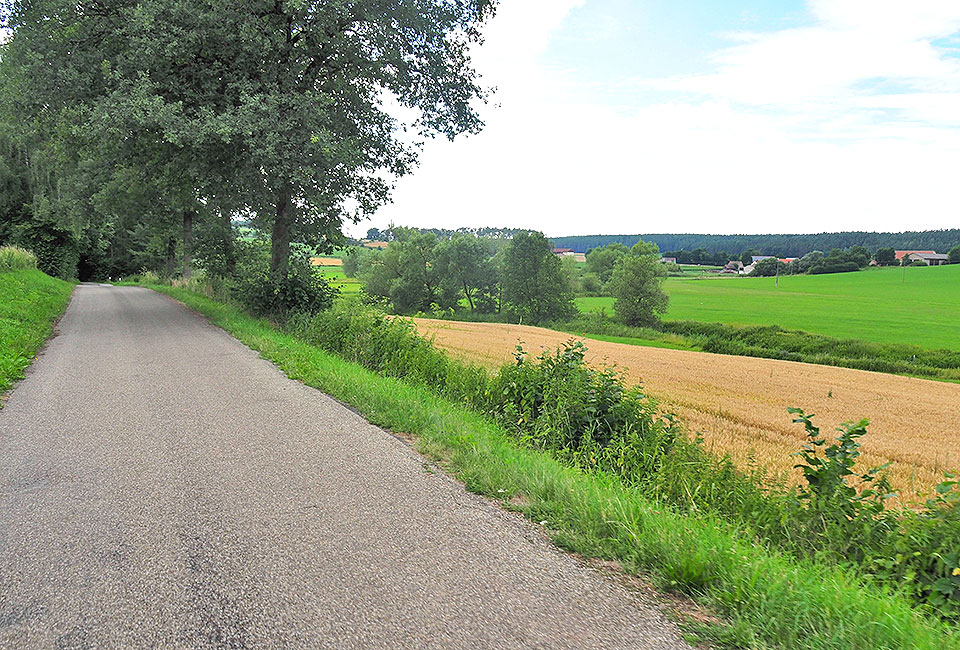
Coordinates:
[14,258]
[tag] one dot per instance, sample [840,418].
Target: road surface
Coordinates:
[161,486]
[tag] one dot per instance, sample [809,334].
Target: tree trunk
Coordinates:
[229,250]
[280,237]
[171,256]
[187,244]
[466,292]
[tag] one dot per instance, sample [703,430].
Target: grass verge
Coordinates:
[30,302]
[770,600]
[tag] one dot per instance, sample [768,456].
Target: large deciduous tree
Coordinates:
[600,260]
[636,286]
[534,287]
[464,265]
[311,94]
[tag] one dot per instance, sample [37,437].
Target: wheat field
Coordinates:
[739,404]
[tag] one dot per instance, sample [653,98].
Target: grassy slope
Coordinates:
[30,301]
[873,305]
[772,601]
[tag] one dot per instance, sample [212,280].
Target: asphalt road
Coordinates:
[161,486]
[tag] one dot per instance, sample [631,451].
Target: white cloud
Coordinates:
[847,123]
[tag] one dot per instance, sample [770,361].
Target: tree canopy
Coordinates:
[636,286]
[294,114]
[535,288]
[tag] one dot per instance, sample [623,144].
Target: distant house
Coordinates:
[901,254]
[747,270]
[787,260]
[930,259]
[568,252]
[733,266]
[757,258]
[668,260]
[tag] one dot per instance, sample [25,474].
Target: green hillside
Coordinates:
[29,303]
[919,306]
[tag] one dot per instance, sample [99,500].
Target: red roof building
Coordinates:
[901,254]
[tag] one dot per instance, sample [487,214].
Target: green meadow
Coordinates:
[916,305]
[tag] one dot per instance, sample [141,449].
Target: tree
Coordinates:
[747,257]
[808,261]
[571,272]
[954,255]
[700,256]
[600,261]
[320,143]
[534,287]
[859,255]
[885,257]
[406,273]
[769,268]
[636,286]
[463,264]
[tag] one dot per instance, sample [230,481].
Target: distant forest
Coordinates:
[780,245]
[493,232]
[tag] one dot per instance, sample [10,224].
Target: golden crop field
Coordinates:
[739,404]
[326,261]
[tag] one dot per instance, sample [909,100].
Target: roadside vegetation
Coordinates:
[30,302]
[610,477]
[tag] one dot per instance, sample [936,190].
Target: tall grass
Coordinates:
[14,258]
[771,598]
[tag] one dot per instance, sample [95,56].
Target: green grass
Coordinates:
[769,599]
[338,279]
[30,301]
[916,305]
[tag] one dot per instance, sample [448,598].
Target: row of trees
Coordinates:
[134,133]
[520,278]
[837,261]
[517,279]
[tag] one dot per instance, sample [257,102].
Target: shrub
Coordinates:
[303,290]
[559,403]
[54,247]
[13,258]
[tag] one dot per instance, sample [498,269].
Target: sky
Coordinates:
[715,116]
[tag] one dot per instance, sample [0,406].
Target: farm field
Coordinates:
[920,307]
[739,403]
[332,270]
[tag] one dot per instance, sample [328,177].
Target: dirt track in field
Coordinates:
[739,403]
